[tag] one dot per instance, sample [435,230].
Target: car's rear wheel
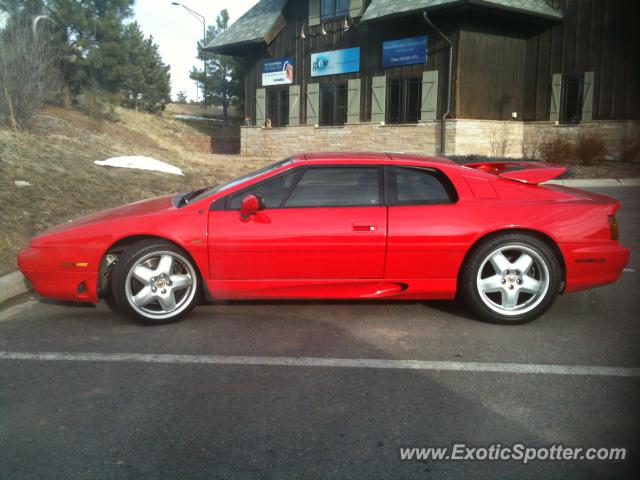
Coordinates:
[155,282]
[510,278]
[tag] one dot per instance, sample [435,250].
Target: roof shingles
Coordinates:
[253,27]
[259,23]
[383,8]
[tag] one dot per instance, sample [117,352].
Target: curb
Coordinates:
[13,285]
[597,182]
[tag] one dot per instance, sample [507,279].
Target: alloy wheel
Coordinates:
[161,284]
[513,279]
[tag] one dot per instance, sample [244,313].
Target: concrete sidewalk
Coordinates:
[597,182]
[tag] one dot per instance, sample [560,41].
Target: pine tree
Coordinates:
[225,74]
[181,97]
[142,77]
[84,29]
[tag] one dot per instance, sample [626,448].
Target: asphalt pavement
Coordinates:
[291,390]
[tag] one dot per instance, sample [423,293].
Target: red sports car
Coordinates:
[342,226]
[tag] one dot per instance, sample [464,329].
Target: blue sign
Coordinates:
[336,61]
[277,71]
[407,51]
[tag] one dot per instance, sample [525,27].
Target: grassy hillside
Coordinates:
[56,156]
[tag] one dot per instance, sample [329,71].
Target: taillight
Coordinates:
[613,227]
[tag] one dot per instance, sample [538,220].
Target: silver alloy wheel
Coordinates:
[513,280]
[161,284]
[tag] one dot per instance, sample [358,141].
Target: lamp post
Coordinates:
[201,19]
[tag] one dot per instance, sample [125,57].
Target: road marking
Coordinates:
[325,362]
[16,309]
[629,270]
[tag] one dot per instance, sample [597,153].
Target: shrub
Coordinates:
[590,148]
[98,104]
[557,149]
[532,143]
[631,148]
[530,150]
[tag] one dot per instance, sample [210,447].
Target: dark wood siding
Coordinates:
[503,63]
[596,35]
[490,80]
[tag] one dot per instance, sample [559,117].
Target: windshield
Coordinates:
[198,195]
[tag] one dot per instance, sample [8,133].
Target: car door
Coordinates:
[427,236]
[320,223]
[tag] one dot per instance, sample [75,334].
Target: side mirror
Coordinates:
[250,205]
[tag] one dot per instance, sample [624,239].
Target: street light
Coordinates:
[201,19]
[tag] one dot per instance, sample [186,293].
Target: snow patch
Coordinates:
[140,163]
[197,118]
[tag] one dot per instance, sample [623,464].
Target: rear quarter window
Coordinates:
[418,186]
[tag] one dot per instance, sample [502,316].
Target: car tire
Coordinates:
[510,278]
[155,282]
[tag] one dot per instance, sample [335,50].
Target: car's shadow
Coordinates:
[450,307]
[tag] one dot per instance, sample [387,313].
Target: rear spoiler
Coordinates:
[526,172]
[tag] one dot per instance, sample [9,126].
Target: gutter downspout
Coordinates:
[449,78]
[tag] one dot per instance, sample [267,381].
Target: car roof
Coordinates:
[373,157]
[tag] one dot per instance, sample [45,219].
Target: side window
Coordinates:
[273,191]
[417,186]
[336,187]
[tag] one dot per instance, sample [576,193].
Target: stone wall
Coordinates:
[422,138]
[213,138]
[493,138]
[464,137]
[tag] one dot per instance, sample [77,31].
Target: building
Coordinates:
[392,75]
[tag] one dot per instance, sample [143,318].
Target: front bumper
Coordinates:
[589,267]
[60,273]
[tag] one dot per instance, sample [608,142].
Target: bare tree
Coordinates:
[500,142]
[28,71]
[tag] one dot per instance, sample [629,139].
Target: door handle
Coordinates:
[361,227]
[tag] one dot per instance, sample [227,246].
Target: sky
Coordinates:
[176,32]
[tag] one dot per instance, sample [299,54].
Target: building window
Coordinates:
[278,107]
[572,93]
[333,9]
[333,104]
[403,100]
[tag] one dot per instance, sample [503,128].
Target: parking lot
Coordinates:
[272,390]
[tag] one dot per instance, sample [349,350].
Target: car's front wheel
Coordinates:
[510,278]
[154,282]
